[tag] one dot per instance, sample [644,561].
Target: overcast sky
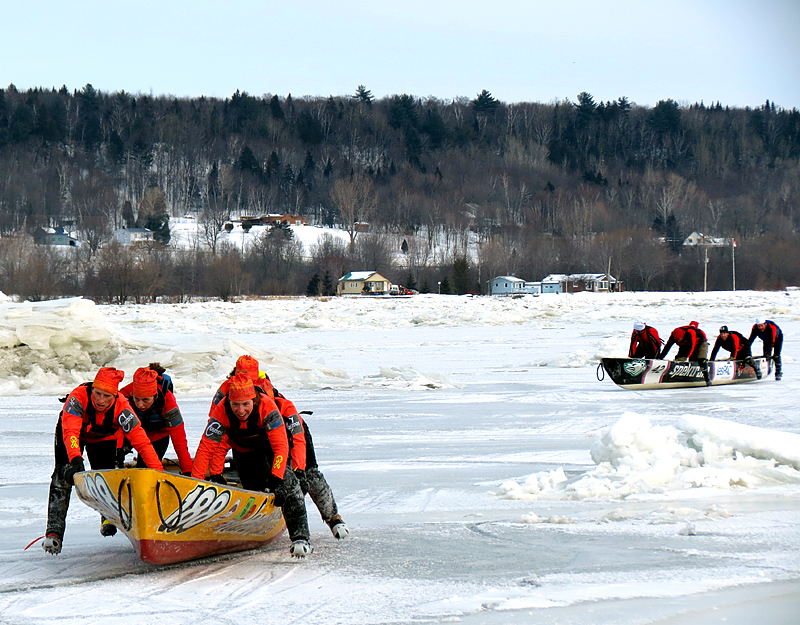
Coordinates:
[737,52]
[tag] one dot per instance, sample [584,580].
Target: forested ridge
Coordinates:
[561,187]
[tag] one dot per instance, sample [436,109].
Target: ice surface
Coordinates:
[486,475]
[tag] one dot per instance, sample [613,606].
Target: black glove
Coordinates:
[275,485]
[186,473]
[217,479]
[75,466]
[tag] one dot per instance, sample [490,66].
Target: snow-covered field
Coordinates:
[486,475]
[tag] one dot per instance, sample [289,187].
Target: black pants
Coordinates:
[102,455]
[313,482]
[254,468]
[774,351]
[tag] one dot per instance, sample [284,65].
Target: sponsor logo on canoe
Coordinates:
[96,489]
[723,369]
[685,371]
[635,367]
[199,506]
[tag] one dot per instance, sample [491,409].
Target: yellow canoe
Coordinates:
[170,518]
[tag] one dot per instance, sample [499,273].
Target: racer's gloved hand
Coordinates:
[186,473]
[217,479]
[275,485]
[75,466]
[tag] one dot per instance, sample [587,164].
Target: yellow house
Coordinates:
[362,282]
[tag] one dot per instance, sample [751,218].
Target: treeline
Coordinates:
[563,187]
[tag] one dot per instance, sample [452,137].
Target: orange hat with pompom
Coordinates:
[145,382]
[240,388]
[248,365]
[108,379]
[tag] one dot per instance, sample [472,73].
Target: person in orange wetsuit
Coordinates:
[154,403]
[94,416]
[692,345]
[301,444]
[645,342]
[250,422]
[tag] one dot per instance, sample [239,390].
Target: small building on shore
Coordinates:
[363,283]
[511,285]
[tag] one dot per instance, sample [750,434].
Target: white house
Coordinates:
[55,236]
[511,285]
[700,239]
[132,236]
[578,282]
[554,283]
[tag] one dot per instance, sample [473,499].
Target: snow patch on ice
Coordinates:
[634,456]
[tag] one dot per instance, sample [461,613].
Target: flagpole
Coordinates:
[733,261]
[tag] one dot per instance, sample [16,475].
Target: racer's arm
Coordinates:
[294,429]
[212,436]
[217,463]
[272,422]
[667,347]
[177,431]
[72,422]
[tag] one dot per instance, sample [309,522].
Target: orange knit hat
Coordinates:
[240,388]
[108,379]
[248,365]
[145,382]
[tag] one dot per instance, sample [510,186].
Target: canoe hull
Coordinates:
[639,374]
[171,518]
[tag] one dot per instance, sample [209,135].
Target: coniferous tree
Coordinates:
[327,284]
[275,108]
[485,103]
[314,287]
[363,95]
[461,279]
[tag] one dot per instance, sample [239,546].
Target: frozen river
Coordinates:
[458,435]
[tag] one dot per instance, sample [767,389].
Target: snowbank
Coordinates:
[636,457]
[50,347]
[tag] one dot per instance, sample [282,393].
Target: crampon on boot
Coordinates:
[52,544]
[301,548]
[107,528]
[338,527]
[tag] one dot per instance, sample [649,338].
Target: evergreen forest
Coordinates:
[460,190]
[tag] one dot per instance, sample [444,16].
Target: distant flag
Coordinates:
[734,242]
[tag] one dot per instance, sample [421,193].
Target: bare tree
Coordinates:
[217,207]
[356,200]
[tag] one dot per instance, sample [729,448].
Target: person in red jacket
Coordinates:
[155,405]
[645,342]
[692,345]
[691,341]
[94,416]
[301,445]
[252,425]
[772,339]
[736,345]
